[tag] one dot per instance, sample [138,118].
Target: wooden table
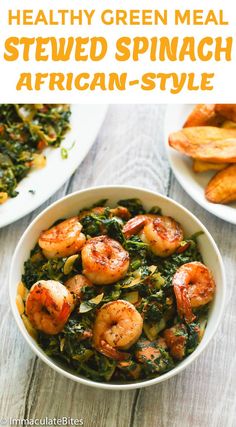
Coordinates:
[128,150]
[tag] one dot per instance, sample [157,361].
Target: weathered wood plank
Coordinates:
[16,358]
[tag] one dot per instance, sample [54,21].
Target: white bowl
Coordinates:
[69,206]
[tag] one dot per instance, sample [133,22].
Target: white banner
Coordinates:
[117,52]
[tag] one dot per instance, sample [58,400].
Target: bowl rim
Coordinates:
[102,385]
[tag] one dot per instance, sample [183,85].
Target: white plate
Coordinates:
[193,183]
[85,121]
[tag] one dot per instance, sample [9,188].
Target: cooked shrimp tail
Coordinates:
[194,287]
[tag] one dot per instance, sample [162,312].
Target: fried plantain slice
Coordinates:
[200,166]
[222,187]
[203,115]
[228,124]
[210,144]
[226,110]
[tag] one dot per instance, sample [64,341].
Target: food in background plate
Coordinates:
[128,303]
[209,138]
[25,130]
[222,187]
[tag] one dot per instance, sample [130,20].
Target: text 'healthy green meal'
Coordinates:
[25,130]
[116,294]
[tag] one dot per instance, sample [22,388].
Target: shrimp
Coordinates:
[62,240]
[153,354]
[104,260]
[75,285]
[162,233]
[118,325]
[48,306]
[176,340]
[149,350]
[194,286]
